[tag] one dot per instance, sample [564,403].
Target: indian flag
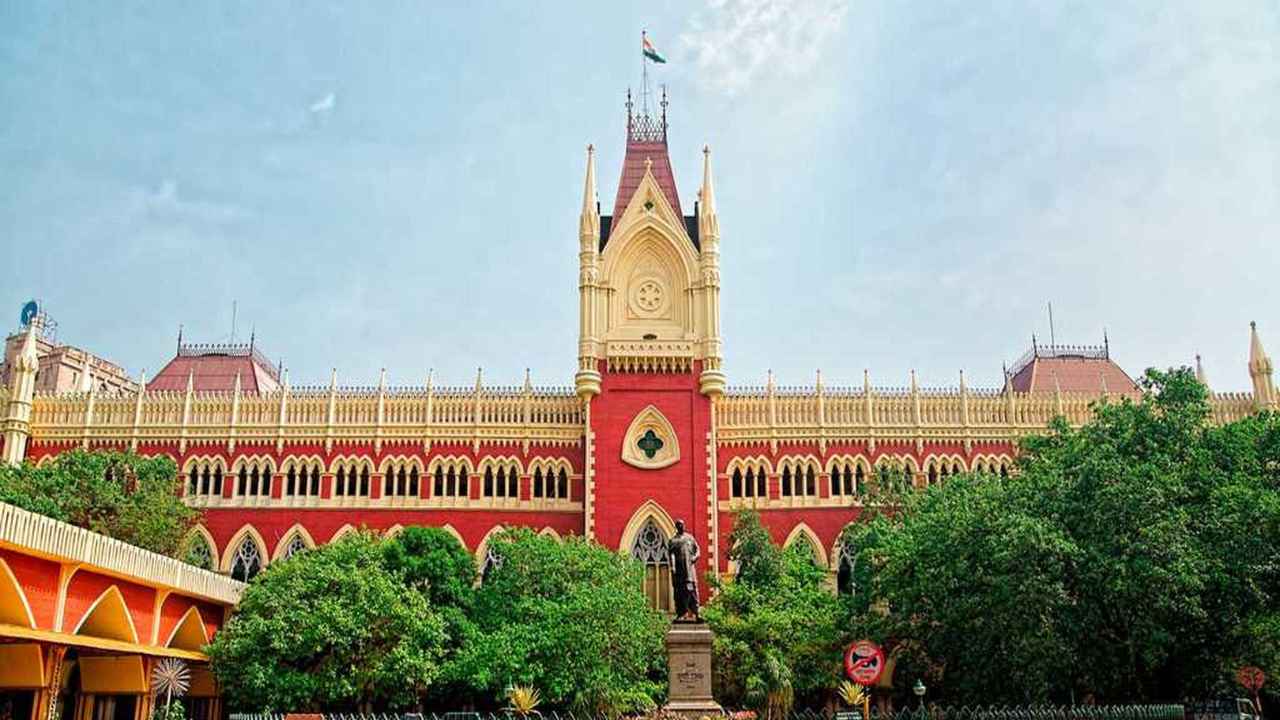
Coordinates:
[650,51]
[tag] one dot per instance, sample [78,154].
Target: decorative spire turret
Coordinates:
[1200,376]
[1260,369]
[589,220]
[22,390]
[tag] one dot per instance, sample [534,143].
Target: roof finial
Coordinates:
[1106,345]
[179,338]
[708,194]
[528,380]
[1200,376]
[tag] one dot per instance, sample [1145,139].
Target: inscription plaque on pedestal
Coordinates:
[689,668]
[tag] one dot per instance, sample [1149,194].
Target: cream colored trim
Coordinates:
[482,548]
[549,532]
[30,533]
[458,461]
[201,532]
[450,529]
[338,534]
[233,547]
[393,462]
[803,529]
[392,531]
[650,419]
[287,537]
[648,509]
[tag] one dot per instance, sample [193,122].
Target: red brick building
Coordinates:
[649,432]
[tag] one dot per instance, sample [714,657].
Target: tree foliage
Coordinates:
[776,625]
[1134,558]
[329,629]
[566,617]
[122,495]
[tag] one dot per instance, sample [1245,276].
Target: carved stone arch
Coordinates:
[651,282]
[649,510]
[14,607]
[758,463]
[397,461]
[549,532]
[233,547]
[638,221]
[190,633]
[45,460]
[199,533]
[393,531]
[482,547]
[297,530]
[803,530]
[198,462]
[342,532]
[262,461]
[301,462]
[663,445]
[461,461]
[505,461]
[108,618]
[452,531]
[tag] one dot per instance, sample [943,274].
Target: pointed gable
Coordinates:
[646,153]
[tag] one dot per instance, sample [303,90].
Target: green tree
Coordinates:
[1130,559]
[565,617]
[122,495]
[431,561]
[777,638]
[329,629]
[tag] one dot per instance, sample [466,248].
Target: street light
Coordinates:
[919,689]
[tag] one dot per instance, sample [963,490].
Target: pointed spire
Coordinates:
[866,381]
[817,382]
[191,381]
[1200,375]
[914,387]
[769,381]
[382,380]
[86,376]
[284,377]
[479,378]
[708,194]
[431,379]
[962,385]
[528,380]
[333,380]
[1257,356]
[237,386]
[589,220]
[179,337]
[142,381]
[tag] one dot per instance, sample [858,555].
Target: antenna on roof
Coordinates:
[253,334]
[179,337]
[1053,340]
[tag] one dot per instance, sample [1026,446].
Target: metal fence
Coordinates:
[1033,712]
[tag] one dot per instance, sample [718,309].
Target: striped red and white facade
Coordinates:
[650,431]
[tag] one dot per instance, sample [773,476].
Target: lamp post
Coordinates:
[919,689]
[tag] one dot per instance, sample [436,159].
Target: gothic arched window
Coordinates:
[295,546]
[562,485]
[650,548]
[845,584]
[199,553]
[247,562]
[735,487]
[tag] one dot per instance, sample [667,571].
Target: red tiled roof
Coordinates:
[1073,373]
[639,150]
[215,370]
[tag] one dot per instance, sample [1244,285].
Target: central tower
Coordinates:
[649,348]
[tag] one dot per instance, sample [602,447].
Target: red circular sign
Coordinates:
[864,662]
[1251,678]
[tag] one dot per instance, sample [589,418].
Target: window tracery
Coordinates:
[451,480]
[247,562]
[650,548]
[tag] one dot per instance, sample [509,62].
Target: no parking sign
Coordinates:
[864,662]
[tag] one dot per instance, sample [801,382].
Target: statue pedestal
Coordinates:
[689,668]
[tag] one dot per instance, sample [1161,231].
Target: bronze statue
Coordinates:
[683,553]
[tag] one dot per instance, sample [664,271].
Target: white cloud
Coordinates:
[737,42]
[324,104]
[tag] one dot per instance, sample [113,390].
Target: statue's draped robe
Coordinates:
[683,552]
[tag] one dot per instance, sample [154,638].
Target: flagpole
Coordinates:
[644,77]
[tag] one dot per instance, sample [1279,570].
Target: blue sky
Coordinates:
[901,185]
